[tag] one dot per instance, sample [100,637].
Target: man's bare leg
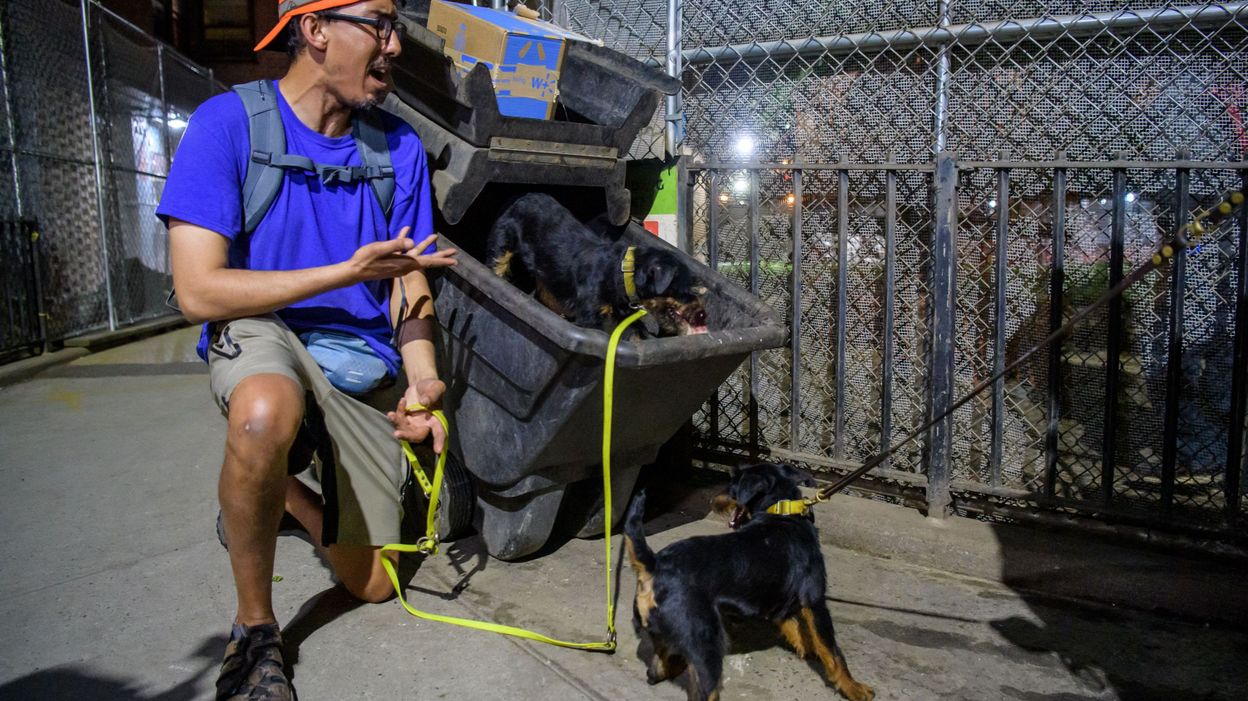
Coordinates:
[357,566]
[264,415]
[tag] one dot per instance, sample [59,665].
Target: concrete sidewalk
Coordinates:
[114,586]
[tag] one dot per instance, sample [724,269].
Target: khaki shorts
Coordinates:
[358,463]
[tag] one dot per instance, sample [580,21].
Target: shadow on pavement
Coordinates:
[79,682]
[1134,651]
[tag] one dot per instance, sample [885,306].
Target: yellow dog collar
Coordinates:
[789,507]
[628,267]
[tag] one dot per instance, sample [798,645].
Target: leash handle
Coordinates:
[1184,237]
[432,490]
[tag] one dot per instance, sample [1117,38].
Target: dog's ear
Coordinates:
[796,474]
[660,277]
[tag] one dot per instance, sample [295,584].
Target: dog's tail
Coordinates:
[639,554]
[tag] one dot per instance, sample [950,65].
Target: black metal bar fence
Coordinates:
[91,109]
[1047,423]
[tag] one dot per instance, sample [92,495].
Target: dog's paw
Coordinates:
[860,692]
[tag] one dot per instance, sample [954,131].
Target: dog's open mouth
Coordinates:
[696,320]
[739,516]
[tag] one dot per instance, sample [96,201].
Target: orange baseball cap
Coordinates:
[293,8]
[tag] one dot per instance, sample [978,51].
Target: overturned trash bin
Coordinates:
[525,394]
[524,385]
[605,99]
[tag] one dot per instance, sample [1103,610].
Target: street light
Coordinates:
[745,145]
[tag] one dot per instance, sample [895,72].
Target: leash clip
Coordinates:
[427,545]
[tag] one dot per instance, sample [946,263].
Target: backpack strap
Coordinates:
[370,139]
[268,150]
[268,161]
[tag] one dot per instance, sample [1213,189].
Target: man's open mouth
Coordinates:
[380,73]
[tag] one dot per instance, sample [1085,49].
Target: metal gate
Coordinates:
[925,189]
[21,331]
[90,110]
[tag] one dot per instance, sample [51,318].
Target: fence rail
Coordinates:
[972,33]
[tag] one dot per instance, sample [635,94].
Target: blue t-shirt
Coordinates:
[310,224]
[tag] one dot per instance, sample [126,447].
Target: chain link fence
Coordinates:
[92,110]
[637,28]
[1081,133]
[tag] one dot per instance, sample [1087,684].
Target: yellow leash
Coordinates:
[429,543]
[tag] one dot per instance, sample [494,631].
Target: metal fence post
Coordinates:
[890,307]
[674,132]
[940,112]
[712,261]
[164,130]
[1000,271]
[1113,345]
[8,115]
[1174,344]
[99,165]
[755,433]
[944,277]
[842,307]
[164,107]
[795,324]
[1057,306]
[684,206]
[1239,375]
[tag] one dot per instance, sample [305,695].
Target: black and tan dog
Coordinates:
[768,567]
[592,281]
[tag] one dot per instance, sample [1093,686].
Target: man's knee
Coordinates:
[363,575]
[375,591]
[264,415]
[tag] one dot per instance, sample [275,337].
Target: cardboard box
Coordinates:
[522,55]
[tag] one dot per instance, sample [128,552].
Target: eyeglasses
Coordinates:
[384,25]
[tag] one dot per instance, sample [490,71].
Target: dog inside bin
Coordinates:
[584,269]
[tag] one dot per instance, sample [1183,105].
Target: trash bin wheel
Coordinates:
[456,503]
[518,526]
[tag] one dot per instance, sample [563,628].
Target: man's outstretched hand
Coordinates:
[413,424]
[397,257]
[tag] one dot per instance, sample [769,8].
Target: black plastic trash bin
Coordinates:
[525,393]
